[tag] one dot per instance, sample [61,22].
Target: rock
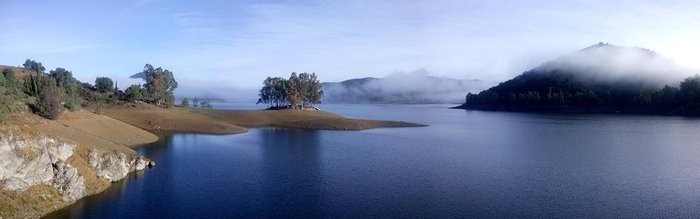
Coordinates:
[26,161]
[114,166]
[68,182]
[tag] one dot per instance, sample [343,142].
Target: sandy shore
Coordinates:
[298,119]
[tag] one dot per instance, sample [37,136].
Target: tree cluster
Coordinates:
[202,103]
[10,91]
[296,92]
[48,94]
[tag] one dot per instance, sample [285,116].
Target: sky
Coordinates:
[231,46]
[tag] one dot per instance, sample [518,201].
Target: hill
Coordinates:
[411,88]
[19,72]
[599,78]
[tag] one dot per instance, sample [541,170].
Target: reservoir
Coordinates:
[464,164]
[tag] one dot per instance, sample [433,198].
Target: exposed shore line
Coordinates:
[121,128]
[228,121]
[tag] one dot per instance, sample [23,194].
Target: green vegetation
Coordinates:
[104,84]
[65,80]
[160,85]
[561,88]
[135,93]
[296,92]
[48,94]
[10,92]
[185,102]
[48,104]
[34,83]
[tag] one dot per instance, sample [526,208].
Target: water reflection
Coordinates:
[466,164]
[291,178]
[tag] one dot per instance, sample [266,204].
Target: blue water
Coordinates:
[465,164]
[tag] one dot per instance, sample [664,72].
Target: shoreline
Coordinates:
[231,121]
[693,111]
[122,128]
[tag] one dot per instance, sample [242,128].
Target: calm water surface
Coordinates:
[465,164]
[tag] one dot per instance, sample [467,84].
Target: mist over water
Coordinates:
[418,86]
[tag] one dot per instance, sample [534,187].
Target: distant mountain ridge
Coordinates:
[410,88]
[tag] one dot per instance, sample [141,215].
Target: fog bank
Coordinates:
[416,87]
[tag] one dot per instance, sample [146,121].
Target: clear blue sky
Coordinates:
[238,43]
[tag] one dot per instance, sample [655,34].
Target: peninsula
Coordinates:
[62,140]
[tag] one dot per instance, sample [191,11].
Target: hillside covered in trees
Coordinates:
[601,78]
[31,88]
[409,88]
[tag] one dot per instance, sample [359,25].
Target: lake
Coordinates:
[465,164]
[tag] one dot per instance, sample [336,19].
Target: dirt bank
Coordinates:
[304,119]
[172,120]
[86,133]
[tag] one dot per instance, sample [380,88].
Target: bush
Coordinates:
[104,84]
[185,102]
[135,92]
[73,104]
[48,104]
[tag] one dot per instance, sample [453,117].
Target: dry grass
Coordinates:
[36,201]
[172,120]
[88,129]
[304,119]
[19,72]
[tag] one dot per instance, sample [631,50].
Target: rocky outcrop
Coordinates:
[27,160]
[114,166]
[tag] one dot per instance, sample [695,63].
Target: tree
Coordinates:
[205,104]
[65,81]
[298,90]
[160,84]
[11,86]
[35,81]
[195,102]
[185,102]
[135,93]
[690,88]
[104,84]
[310,89]
[48,103]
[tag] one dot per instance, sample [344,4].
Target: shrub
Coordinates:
[48,104]
[185,102]
[135,92]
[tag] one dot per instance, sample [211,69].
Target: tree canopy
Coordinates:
[104,84]
[297,91]
[160,84]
